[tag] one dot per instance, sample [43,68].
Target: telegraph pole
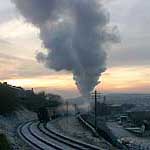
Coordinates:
[75,108]
[95,96]
[67,114]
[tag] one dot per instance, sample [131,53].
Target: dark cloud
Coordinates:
[37,11]
[75,33]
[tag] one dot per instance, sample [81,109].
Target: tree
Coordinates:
[34,102]
[53,100]
[8,100]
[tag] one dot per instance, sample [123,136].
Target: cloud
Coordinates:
[75,34]
[138,55]
[133,23]
[126,79]
[5,42]
[19,38]
[7,11]
[13,67]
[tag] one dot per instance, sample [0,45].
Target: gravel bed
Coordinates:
[73,128]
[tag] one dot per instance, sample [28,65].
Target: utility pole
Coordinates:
[104,100]
[96,96]
[75,108]
[95,109]
[88,109]
[67,112]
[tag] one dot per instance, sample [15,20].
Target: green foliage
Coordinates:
[8,102]
[34,102]
[4,144]
[13,97]
[53,100]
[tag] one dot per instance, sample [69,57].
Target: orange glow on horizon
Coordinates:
[117,79]
[52,81]
[127,79]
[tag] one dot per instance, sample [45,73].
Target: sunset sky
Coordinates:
[128,62]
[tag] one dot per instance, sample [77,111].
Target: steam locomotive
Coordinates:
[43,115]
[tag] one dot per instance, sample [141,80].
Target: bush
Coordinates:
[8,102]
[12,98]
[4,144]
[54,100]
[34,102]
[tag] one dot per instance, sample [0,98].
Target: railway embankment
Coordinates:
[71,126]
[102,130]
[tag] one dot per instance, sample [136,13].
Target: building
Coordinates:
[139,114]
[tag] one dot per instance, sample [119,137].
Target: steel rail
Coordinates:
[84,145]
[30,141]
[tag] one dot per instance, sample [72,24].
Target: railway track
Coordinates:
[41,137]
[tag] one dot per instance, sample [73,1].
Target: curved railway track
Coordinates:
[41,137]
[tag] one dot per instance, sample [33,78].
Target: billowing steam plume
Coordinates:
[75,33]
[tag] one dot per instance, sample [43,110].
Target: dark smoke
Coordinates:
[75,33]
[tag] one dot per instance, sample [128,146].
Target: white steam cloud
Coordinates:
[75,33]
